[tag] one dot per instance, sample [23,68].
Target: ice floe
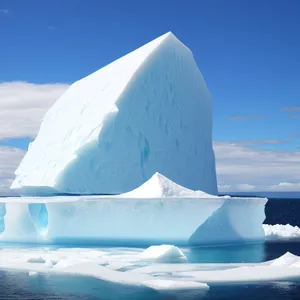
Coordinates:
[163,253]
[281,232]
[133,267]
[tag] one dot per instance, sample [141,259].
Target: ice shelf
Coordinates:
[158,212]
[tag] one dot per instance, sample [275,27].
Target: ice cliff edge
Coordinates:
[147,112]
[158,212]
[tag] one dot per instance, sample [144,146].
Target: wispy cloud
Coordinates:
[259,142]
[239,166]
[294,135]
[237,118]
[4,11]
[23,105]
[51,27]
[294,117]
[297,108]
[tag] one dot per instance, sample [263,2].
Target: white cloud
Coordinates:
[286,186]
[9,161]
[241,168]
[22,105]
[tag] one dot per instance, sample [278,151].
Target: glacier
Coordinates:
[158,212]
[147,112]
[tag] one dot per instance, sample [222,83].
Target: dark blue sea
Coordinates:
[18,285]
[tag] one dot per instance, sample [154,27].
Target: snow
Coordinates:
[100,262]
[163,253]
[157,284]
[288,259]
[159,186]
[147,112]
[281,232]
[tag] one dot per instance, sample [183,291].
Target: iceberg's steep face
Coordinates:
[147,112]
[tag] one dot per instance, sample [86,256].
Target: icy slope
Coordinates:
[159,186]
[147,112]
[159,211]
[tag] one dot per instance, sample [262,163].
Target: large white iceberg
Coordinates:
[147,112]
[158,212]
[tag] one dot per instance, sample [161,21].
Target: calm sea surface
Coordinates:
[18,285]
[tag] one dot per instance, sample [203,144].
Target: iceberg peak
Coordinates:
[159,186]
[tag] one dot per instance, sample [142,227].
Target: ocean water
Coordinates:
[18,285]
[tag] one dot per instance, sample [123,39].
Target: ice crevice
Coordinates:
[39,215]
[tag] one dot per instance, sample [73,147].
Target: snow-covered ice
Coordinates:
[163,253]
[286,260]
[175,285]
[281,232]
[159,186]
[158,212]
[147,112]
[98,263]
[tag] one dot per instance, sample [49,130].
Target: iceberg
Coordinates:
[281,232]
[163,253]
[147,112]
[158,212]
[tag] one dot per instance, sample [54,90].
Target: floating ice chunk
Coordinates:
[157,276]
[33,273]
[278,231]
[36,259]
[93,270]
[286,260]
[160,284]
[159,186]
[163,253]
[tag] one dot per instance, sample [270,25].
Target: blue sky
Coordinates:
[248,52]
